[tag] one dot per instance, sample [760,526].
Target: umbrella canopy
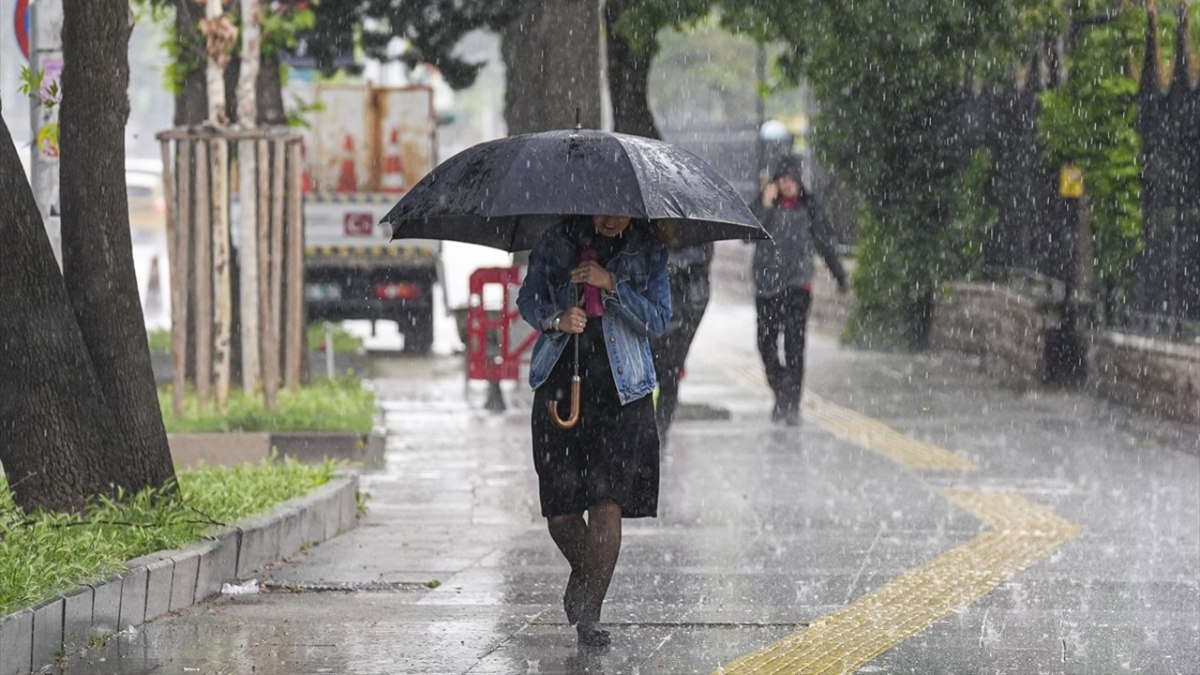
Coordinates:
[505,193]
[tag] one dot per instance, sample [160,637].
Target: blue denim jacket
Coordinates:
[638,310]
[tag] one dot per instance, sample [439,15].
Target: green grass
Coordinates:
[48,553]
[343,341]
[159,339]
[340,404]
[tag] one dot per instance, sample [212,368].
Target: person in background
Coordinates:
[783,272]
[689,269]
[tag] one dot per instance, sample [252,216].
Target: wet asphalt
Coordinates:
[764,533]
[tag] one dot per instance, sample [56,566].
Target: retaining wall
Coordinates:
[32,639]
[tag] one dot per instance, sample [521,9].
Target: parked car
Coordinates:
[147,205]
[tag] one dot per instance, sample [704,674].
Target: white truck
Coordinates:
[367,146]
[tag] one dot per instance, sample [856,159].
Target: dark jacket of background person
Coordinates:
[787,260]
[690,290]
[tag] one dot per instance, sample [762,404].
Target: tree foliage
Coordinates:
[891,77]
[1090,121]
[432,30]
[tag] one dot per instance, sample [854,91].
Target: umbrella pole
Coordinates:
[576,389]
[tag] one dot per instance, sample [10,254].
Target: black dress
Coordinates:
[611,454]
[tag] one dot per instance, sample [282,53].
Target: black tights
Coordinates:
[592,549]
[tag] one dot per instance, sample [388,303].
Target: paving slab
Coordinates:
[133,598]
[763,533]
[183,579]
[106,607]
[48,633]
[159,579]
[218,563]
[16,643]
[77,617]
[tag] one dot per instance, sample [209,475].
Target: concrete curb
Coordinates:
[32,638]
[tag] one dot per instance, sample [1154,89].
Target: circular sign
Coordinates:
[21,26]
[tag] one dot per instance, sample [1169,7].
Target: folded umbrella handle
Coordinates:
[570,422]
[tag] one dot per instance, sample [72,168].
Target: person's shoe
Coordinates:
[591,635]
[792,419]
[777,414]
[573,597]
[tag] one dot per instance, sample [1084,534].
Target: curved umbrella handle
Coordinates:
[571,421]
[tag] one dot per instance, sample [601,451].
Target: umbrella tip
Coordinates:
[578,124]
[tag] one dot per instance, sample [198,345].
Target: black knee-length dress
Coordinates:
[611,454]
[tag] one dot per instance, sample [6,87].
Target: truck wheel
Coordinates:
[418,334]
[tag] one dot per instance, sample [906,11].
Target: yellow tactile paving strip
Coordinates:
[1022,533]
[867,432]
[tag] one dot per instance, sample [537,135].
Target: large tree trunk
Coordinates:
[552,55]
[97,252]
[57,437]
[628,77]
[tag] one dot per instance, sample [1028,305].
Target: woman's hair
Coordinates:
[662,230]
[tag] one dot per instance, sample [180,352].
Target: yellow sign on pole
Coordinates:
[1070,182]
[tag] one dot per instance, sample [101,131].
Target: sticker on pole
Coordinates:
[1070,182]
[21,26]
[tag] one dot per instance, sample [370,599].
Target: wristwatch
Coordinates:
[557,321]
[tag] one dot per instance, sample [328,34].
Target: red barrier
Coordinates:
[490,353]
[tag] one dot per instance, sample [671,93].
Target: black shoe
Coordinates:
[777,414]
[591,635]
[573,597]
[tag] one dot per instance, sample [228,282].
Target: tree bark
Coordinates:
[191,102]
[248,201]
[628,78]
[271,110]
[97,251]
[552,55]
[57,438]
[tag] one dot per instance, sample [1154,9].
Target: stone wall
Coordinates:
[1159,377]
[1005,328]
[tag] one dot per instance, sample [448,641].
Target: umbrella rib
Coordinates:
[637,176]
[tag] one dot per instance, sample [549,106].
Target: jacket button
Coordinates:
[613,339]
[620,371]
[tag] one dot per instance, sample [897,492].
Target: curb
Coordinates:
[31,639]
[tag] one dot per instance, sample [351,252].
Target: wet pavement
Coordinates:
[922,520]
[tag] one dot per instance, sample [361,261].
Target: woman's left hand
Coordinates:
[591,272]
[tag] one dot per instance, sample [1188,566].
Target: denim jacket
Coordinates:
[638,310]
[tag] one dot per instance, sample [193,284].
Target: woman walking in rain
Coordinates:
[783,271]
[600,282]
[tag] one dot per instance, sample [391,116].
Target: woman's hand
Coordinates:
[572,321]
[769,194]
[591,272]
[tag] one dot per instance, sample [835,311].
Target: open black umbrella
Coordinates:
[505,193]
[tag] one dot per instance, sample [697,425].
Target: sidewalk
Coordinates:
[922,520]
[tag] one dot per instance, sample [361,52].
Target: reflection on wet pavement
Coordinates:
[763,532]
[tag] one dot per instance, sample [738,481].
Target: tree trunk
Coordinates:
[628,78]
[271,110]
[58,440]
[191,103]
[97,251]
[552,55]
[248,201]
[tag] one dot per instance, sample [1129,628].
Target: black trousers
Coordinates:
[689,299]
[785,313]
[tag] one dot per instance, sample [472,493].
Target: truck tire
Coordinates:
[418,334]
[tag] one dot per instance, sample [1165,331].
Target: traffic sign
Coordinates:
[21,26]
